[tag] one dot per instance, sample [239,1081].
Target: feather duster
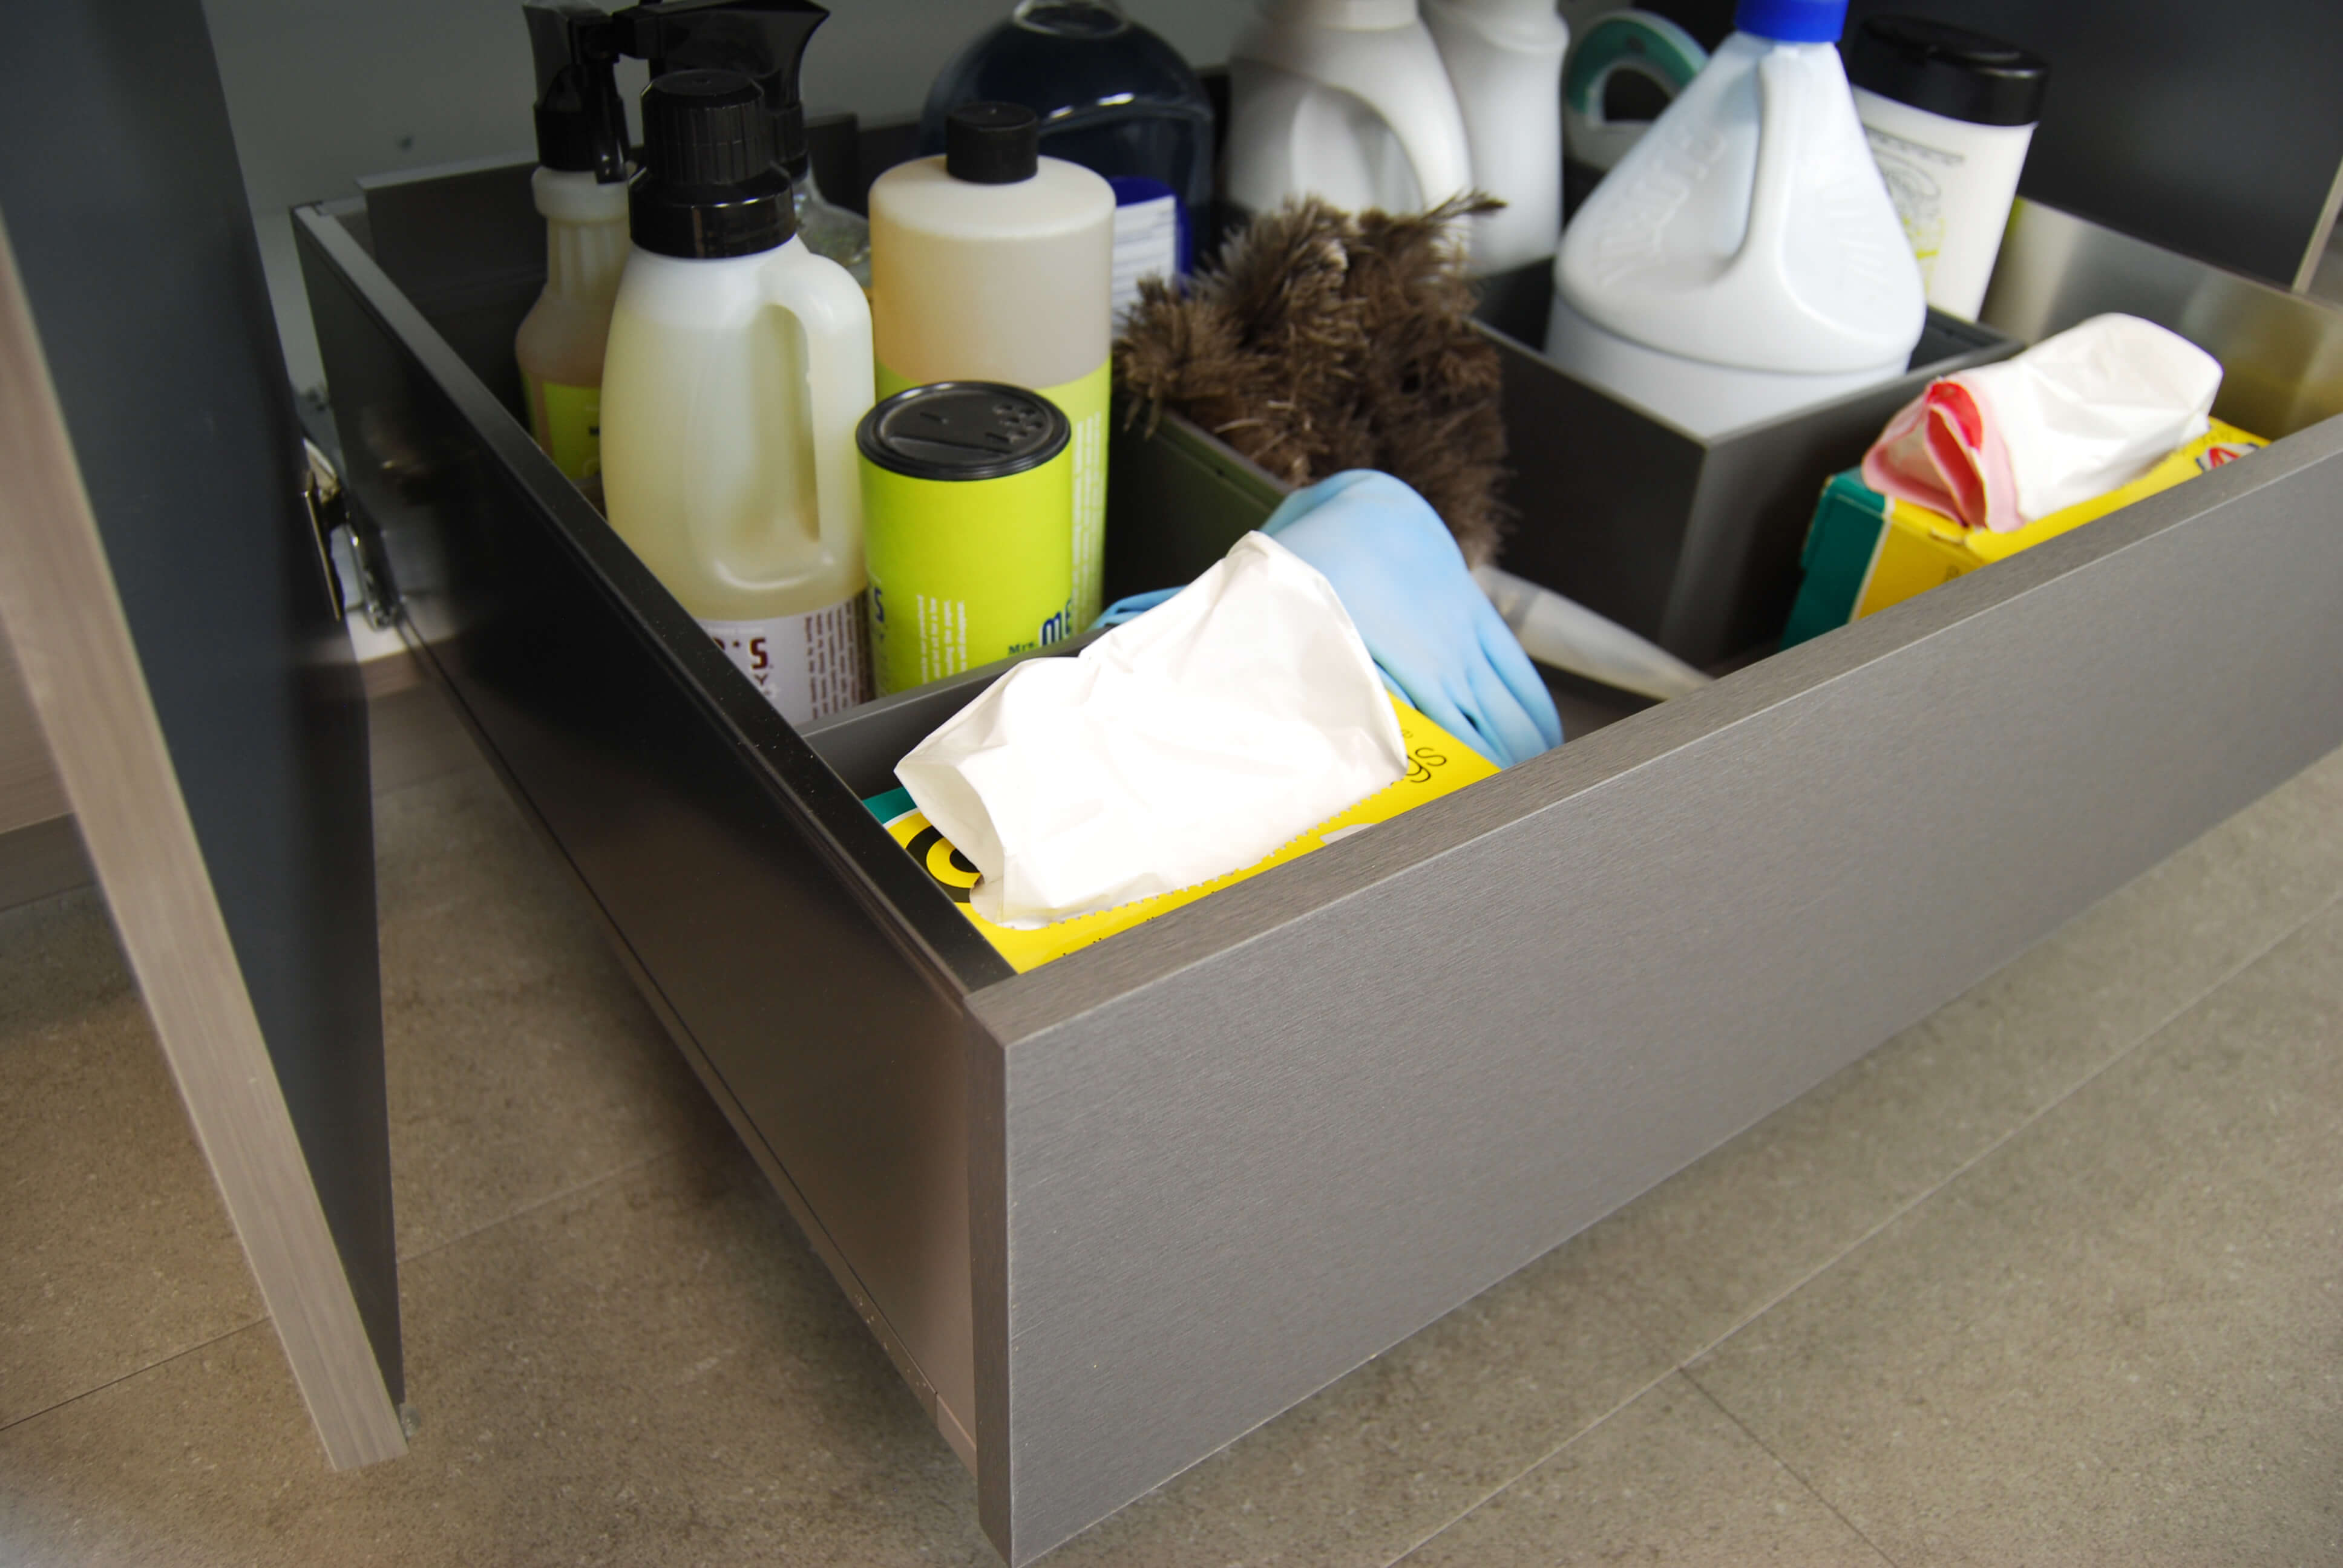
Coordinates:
[1325,340]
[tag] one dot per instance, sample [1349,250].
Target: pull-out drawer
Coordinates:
[1110,1214]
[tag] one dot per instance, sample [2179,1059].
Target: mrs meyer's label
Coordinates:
[808,666]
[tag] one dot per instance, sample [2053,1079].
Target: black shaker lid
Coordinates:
[963,431]
[992,143]
[1948,71]
[709,186]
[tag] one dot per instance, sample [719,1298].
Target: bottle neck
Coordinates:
[583,261]
[585,232]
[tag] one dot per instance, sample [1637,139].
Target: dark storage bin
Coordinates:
[1111,1215]
[1692,541]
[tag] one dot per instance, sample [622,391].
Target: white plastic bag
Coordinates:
[2074,416]
[1182,746]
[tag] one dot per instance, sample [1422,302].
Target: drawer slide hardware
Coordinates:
[349,552]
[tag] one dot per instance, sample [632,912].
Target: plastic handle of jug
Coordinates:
[1764,245]
[1439,154]
[835,317]
[1402,82]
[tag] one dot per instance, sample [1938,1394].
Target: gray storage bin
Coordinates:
[1692,541]
[1108,1215]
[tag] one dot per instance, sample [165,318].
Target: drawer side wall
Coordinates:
[837,1056]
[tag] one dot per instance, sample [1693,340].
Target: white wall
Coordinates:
[323,91]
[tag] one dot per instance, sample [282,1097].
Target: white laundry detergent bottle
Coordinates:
[738,365]
[1504,64]
[1346,100]
[1743,259]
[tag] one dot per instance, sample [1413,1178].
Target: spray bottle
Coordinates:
[580,186]
[765,40]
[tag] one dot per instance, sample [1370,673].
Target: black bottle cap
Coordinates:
[709,186]
[963,431]
[1948,71]
[992,143]
[789,139]
[581,121]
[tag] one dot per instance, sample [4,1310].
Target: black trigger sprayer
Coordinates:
[581,124]
[581,191]
[581,130]
[764,40]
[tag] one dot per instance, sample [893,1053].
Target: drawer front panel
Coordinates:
[1229,1181]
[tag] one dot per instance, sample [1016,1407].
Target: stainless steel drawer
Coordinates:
[1108,1215]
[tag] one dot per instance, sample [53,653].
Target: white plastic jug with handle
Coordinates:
[1343,99]
[1743,260]
[738,365]
[1504,59]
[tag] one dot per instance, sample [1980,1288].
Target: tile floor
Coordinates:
[2054,1276]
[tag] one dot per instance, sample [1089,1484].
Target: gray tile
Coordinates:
[412,732]
[1383,1457]
[521,1061]
[119,1252]
[655,1371]
[1704,1250]
[2117,1338]
[1668,1480]
[41,860]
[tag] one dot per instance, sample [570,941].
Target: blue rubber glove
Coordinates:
[1441,645]
[1131,607]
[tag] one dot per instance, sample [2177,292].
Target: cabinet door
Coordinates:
[166,593]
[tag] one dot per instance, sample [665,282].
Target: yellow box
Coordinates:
[1865,551]
[1438,764]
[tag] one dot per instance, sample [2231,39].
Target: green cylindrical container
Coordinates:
[968,528]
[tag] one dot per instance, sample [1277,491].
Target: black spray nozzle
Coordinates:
[581,121]
[762,39]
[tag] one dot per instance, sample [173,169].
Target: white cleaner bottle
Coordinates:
[1743,260]
[992,262]
[1343,99]
[739,363]
[1504,61]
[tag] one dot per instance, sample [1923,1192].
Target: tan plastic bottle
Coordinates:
[562,340]
[580,186]
[994,264]
[739,363]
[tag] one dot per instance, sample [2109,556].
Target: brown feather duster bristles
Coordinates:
[1326,340]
